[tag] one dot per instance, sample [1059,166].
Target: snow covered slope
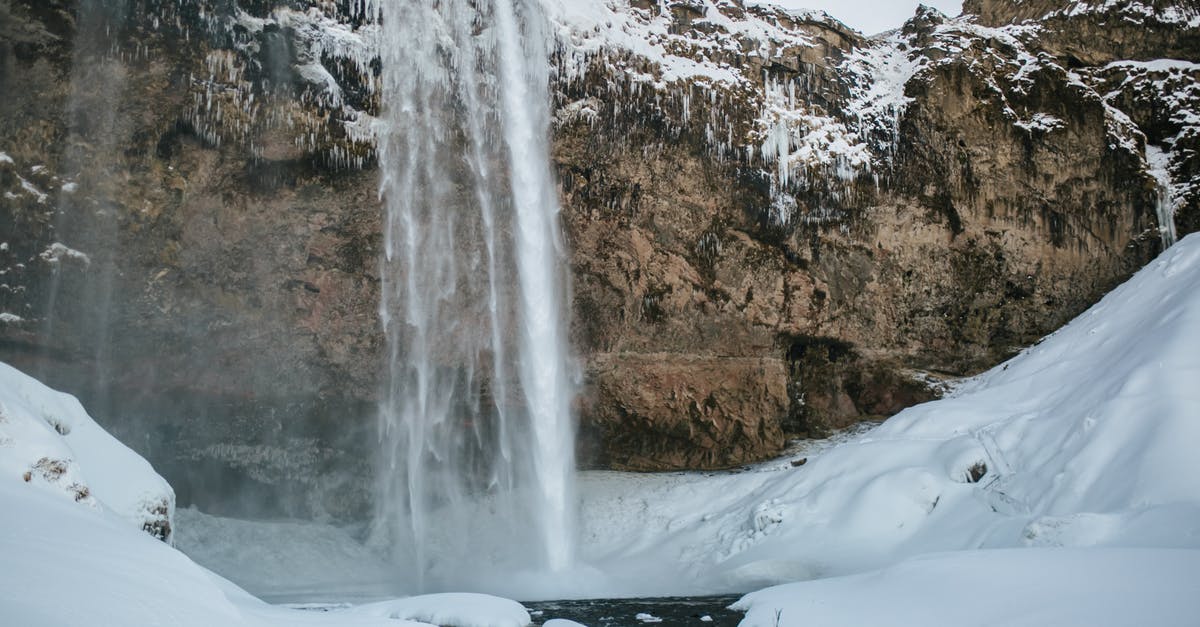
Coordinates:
[48,441]
[69,556]
[1065,588]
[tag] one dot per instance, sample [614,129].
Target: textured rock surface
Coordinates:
[773,222]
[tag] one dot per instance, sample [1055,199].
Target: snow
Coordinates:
[452,608]
[877,75]
[588,28]
[56,252]
[31,189]
[69,565]
[72,560]
[999,588]
[1182,12]
[48,442]
[870,16]
[1156,65]
[1040,123]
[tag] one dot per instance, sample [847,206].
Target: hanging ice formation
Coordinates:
[475,421]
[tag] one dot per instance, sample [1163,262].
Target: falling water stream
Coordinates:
[475,423]
[1159,167]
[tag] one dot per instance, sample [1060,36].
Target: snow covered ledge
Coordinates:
[49,442]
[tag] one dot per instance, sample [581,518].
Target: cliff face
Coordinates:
[776,226]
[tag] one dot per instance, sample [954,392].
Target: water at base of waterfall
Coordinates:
[476,433]
[705,611]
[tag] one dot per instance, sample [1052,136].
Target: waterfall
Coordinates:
[79,305]
[1159,164]
[476,429]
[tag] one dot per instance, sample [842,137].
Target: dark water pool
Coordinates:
[668,612]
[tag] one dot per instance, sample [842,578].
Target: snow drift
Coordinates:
[47,440]
[1002,588]
[73,499]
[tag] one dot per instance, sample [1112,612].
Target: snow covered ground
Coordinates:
[1000,588]
[1059,488]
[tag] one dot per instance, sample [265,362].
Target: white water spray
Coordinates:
[475,423]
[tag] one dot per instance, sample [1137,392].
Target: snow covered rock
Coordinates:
[48,442]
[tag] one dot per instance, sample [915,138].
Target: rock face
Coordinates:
[776,225]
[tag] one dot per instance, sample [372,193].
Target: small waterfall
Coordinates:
[88,229]
[1159,162]
[475,421]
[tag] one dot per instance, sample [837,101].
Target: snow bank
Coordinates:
[68,565]
[1066,588]
[48,442]
[457,609]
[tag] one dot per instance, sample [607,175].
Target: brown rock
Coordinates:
[673,412]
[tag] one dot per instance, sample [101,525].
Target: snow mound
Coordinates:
[561,622]
[453,609]
[1114,587]
[49,442]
